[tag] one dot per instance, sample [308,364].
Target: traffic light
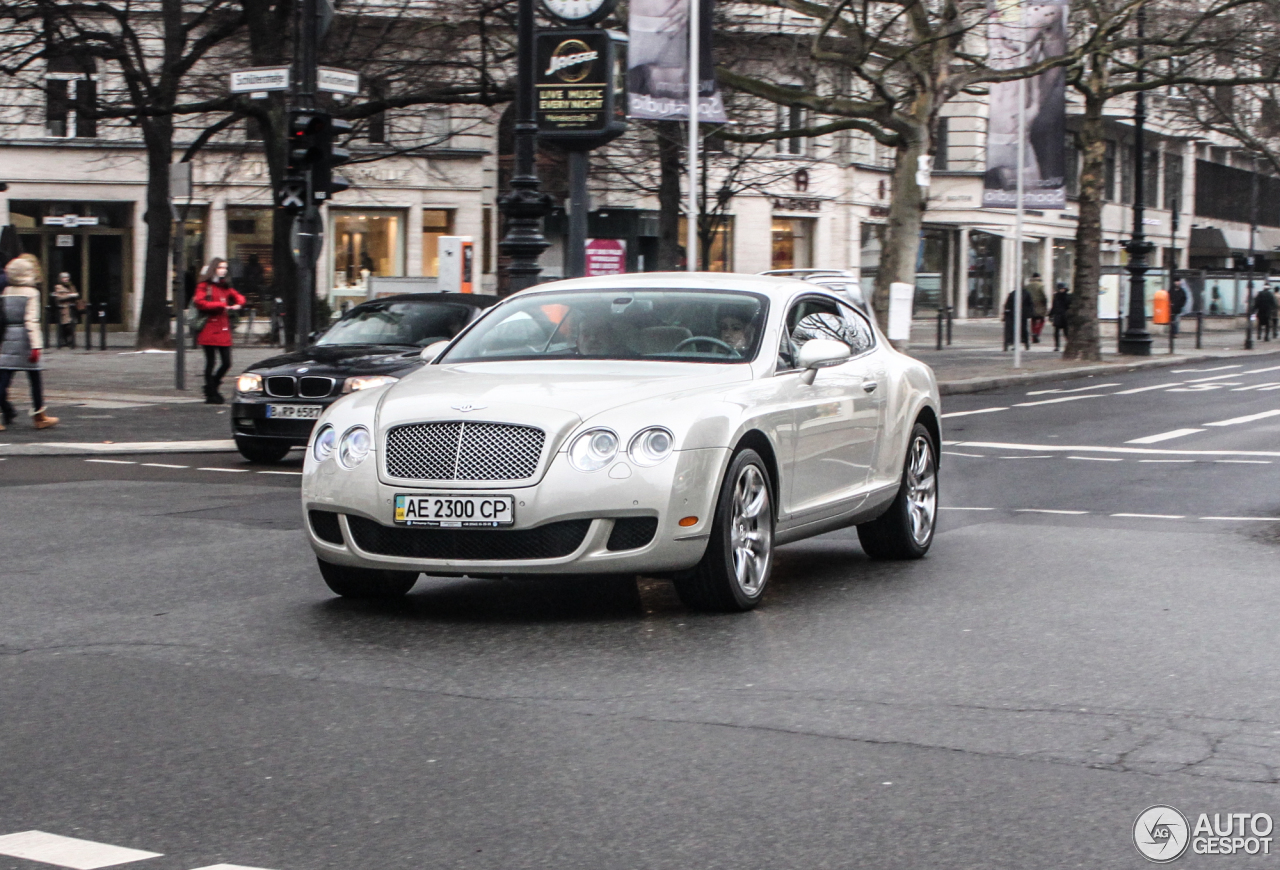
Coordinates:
[325,183]
[306,137]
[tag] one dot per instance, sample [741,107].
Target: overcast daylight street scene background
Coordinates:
[1079,672]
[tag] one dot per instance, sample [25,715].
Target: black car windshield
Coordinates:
[678,325]
[413,323]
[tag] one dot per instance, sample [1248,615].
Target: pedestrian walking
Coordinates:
[215,299]
[1264,308]
[20,342]
[1027,308]
[65,298]
[1059,313]
[1039,305]
[1178,297]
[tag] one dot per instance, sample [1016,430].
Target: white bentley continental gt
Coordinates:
[671,425]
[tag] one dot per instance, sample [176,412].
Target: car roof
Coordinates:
[778,288]
[477,300]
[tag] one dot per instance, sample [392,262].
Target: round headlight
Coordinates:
[355,446]
[651,446]
[326,438]
[249,382]
[593,449]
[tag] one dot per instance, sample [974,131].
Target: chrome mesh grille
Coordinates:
[463,451]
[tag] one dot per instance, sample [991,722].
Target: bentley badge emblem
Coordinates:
[467,406]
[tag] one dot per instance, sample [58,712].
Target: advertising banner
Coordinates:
[579,98]
[606,257]
[658,62]
[1021,34]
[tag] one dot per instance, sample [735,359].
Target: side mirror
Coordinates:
[818,353]
[433,350]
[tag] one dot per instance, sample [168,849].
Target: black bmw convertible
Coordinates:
[278,400]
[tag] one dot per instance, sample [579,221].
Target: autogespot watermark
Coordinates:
[1162,834]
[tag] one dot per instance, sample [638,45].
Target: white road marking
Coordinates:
[1152,516]
[1056,401]
[1166,460]
[1048,511]
[947,508]
[1027,457]
[952,453]
[1203,388]
[98,448]
[1244,461]
[1163,436]
[229,867]
[299,473]
[229,470]
[1260,371]
[112,461]
[1214,369]
[68,851]
[1145,389]
[1245,519]
[1235,421]
[1264,386]
[1098,458]
[152,464]
[1083,448]
[967,413]
[1217,377]
[1076,390]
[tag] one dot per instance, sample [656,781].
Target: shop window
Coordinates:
[718,256]
[249,251]
[792,243]
[436,222]
[366,244]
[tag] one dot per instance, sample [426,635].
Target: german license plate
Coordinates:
[295,412]
[456,511]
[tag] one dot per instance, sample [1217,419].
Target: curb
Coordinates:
[979,385]
[71,448]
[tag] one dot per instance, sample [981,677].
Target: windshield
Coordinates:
[416,324]
[678,325]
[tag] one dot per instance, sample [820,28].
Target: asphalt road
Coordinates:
[1092,633]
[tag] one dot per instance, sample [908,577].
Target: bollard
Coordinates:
[1119,331]
[88,327]
[102,326]
[939,337]
[1199,328]
[950,321]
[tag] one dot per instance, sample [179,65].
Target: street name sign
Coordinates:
[263,78]
[337,81]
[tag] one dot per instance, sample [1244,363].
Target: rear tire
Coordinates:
[735,570]
[266,452]
[369,584]
[905,530]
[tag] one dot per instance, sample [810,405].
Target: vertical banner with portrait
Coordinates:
[1021,34]
[658,62]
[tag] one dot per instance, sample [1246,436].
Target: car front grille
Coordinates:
[552,541]
[463,451]
[282,386]
[310,387]
[632,533]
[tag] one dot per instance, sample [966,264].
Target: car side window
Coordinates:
[822,318]
[858,333]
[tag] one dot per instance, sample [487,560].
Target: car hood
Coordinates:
[552,394]
[342,360]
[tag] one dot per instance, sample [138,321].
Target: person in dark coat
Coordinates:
[1028,310]
[1059,312]
[1264,307]
[216,298]
[20,340]
[1177,303]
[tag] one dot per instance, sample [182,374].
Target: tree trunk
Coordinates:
[668,135]
[153,318]
[906,215]
[1082,323]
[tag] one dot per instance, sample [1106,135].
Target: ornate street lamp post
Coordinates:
[1136,341]
[524,205]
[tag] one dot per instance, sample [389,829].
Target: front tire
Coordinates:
[735,570]
[266,452]
[905,530]
[368,584]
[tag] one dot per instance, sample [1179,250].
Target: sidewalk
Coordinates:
[108,400]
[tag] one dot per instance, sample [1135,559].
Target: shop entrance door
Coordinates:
[95,260]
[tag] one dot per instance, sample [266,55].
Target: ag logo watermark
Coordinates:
[1162,834]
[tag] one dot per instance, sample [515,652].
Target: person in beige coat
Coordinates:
[20,343]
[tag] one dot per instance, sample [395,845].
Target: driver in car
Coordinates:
[736,331]
[595,338]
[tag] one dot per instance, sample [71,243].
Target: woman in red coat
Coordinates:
[214,297]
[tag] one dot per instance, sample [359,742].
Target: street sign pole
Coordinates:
[306,224]
[180,185]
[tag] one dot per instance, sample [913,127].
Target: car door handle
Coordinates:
[869,386]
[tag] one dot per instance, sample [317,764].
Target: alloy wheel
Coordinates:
[922,490]
[751,530]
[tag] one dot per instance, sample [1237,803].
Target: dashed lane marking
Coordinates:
[1124,515]
[1076,390]
[1235,421]
[1152,516]
[1244,461]
[1098,458]
[203,468]
[1181,461]
[970,455]
[292,473]
[1245,519]
[1059,400]
[948,508]
[228,470]
[158,465]
[1146,389]
[1214,369]
[967,413]
[1049,511]
[1163,436]
[112,461]
[68,851]
[228,867]
[1082,448]
[1046,456]
[1269,385]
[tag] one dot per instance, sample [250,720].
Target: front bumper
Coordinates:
[249,419]
[567,523]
